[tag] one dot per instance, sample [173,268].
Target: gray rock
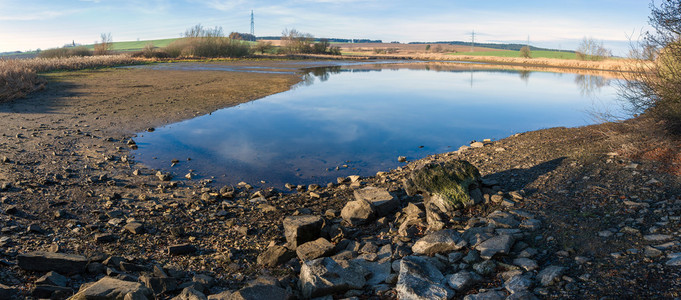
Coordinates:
[134,227]
[315,249]
[518,283]
[274,256]
[530,224]
[383,202]
[110,288]
[471,257]
[462,281]
[499,244]
[674,260]
[503,219]
[485,268]
[477,235]
[419,279]
[301,229]
[380,270]
[257,292]
[523,295]
[526,263]
[189,294]
[323,276]
[160,284]
[550,274]
[489,295]
[442,241]
[52,278]
[47,261]
[657,237]
[221,296]
[651,252]
[358,212]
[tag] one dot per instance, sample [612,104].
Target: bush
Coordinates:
[262,47]
[149,51]
[525,52]
[105,46]
[654,86]
[207,42]
[590,49]
[65,52]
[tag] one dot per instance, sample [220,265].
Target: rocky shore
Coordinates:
[556,213]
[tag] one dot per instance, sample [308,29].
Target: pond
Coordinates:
[357,120]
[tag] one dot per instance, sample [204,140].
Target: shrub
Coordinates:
[65,52]
[206,42]
[590,49]
[525,52]
[262,47]
[105,46]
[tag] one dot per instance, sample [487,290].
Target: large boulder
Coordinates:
[499,244]
[301,229]
[111,288]
[358,212]
[274,256]
[259,291]
[446,186]
[315,249]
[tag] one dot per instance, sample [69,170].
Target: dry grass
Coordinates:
[19,77]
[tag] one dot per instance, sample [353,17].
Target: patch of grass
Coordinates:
[508,53]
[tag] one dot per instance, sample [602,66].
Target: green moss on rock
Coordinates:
[451,180]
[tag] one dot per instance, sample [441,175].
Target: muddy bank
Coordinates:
[67,186]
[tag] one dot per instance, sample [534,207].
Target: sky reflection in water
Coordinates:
[365,119]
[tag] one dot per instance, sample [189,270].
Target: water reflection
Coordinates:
[358,120]
[589,85]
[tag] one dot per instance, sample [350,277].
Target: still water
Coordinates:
[349,120]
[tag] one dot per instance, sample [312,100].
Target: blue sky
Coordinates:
[31,24]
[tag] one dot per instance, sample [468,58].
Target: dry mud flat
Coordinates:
[561,215]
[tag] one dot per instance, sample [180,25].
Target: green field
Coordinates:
[508,53]
[137,45]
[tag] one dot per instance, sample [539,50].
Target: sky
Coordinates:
[31,24]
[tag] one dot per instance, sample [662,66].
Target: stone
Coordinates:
[530,224]
[134,227]
[380,270]
[105,238]
[257,292]
[111,288]
[225,295]
[485,268]
[401,158]
[160,284]
[651,252]
[52,278]
[550,274]
[489,295]
[503,219]
[447,187]
[189,293]
[518,283]
[442,241]
[526,263]
[522,295]
[674,260]
[301,229]
[462,281]
[274,256]
[657,237]
[419,279]
[48,261]
[499,244]
[324,276]
[314,249]
[477,144]
[382,201]
[163,176]
[181,249]
[358,212]
[50,292]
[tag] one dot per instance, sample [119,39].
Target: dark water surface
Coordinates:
[342,121]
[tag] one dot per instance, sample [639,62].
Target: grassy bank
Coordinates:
[508,53]
[19,77]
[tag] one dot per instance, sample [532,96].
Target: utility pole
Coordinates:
[252,24]
[473,41]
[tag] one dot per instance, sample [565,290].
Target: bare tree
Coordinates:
[525,52]
[262,47]
[655,85]
[590,49]
[105,46]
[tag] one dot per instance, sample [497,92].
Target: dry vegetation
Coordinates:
[20,77]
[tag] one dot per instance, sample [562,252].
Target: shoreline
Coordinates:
[67,171]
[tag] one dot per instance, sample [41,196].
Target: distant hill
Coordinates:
[513,47]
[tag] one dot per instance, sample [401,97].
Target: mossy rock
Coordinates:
[451,180]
